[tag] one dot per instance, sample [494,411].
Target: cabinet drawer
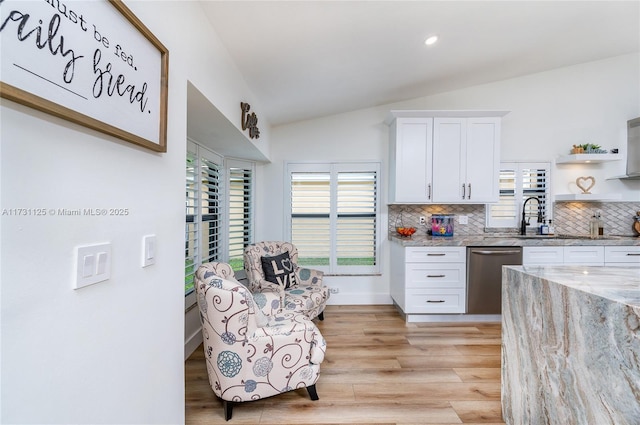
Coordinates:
[445,254]
[542,255]
[420,275]
[435,301]
[622,254]
[584,255]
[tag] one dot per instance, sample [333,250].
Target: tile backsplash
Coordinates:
[568,217]
[573,217]
[411,216]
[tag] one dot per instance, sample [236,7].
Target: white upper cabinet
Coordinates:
[411,141]
[444,156]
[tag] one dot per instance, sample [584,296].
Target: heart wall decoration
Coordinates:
[585,184]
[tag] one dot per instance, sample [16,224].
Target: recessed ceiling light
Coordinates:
[431,40]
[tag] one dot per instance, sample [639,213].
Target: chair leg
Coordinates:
[228,409]
[313,394]
[321,316]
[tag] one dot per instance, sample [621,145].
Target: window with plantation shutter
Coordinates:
[334,217]
[240,197]
[202,231]
[356,219]
[519,181]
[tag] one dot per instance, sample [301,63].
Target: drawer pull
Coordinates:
[435,301]
[633,255]
[436,255]
[435,275]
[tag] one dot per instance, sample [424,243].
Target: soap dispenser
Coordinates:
[552,230]
[544,229]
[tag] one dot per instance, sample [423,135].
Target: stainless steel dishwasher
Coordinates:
[484,276]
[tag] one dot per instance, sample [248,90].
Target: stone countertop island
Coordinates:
[571,345]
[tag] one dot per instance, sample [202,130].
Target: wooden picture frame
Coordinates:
[91,63]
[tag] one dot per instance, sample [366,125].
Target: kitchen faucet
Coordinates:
[524,223]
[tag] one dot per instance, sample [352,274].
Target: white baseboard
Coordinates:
[191,343]
[359,299]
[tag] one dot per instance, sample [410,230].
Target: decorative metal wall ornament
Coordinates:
[249,121]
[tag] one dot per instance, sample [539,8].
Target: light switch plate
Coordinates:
[93,264]
[149,249]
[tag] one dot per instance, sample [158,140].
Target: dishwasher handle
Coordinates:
[504,252]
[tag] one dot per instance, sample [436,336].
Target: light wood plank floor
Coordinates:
[377,370]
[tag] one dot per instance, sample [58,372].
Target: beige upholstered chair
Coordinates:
[250,355]
[306,294]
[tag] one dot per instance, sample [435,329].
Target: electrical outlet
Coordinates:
[334,290]
[423,220]
[463,219]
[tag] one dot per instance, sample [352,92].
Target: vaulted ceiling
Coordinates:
[305,59]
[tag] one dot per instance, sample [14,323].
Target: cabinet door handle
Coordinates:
[435,275]
[633,255]
[469,196]
[435,301]
[429,192]
[463,191]
[436,255]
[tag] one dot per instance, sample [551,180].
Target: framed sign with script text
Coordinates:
[89,62]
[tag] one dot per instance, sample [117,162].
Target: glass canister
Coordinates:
[442,225]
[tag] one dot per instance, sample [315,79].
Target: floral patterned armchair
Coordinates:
[250,355]
[307,295]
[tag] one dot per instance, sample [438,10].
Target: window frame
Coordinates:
[334,168]
[224,165]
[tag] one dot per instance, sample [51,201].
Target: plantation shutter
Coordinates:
[534,183]
[310,217]
[202,230]
[191,258]
[356,218]
[334,220]
[519,181]
[240,195]
[210,209]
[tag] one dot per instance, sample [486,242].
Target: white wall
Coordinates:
[111,352]
[550,112]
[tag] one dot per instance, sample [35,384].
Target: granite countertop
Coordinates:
[515,240]
[570,330]
[618,284]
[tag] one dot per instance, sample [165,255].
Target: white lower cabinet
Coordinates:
[622,256]
[534,255]
[584,255]
[428,279]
